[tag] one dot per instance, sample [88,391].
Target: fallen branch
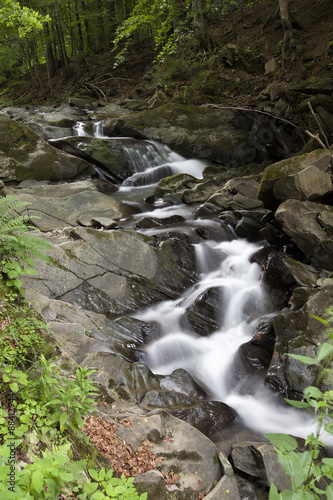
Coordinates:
[239,108]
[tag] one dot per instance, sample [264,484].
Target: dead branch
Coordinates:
[239,108]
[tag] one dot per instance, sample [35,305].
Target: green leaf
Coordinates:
[324,321]
[324,351]
[90,487]
[63,420]
[297,404]
[329,492]
[305,359]
[304,495]
[14,387]
[273,493]
[37,480]
[98,495]
[94,474]
[312,392]
[282,441]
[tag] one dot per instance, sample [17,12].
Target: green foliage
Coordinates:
[16,247]
[22,19]
[49,401]
[310,476]
[21,342]
[107,487]
[53,474]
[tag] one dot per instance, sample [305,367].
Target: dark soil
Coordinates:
[256,27]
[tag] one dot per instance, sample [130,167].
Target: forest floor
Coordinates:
[256,27]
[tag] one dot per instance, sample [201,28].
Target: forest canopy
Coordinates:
[53,32]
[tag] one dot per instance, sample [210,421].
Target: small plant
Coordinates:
[107,487]
[21,341]
[17,248]
[310,476]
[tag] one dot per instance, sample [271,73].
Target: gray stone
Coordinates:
[298,332]
[259,460]
[299,220]
[270,66]
[320,158]
[308,184]
[80,203]
[25,155]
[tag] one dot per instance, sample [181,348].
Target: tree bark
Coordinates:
[286,23]
[200,25]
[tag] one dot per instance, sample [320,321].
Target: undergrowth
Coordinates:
[41,404]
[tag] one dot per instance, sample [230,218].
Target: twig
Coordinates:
[316,136]
[319,125]
[326,145]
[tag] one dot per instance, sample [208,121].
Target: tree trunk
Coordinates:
[200,25]
[179,14]
[50,59]
[286,26]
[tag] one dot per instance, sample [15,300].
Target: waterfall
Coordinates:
[209,359]
[153,161]
[79,130]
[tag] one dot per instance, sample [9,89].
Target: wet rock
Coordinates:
[79,102]
[3,191]
[252,358]
[108,154]
[208,417]
[236,194]
[152,483]
[80,332]
[251,490]
[177,183]
[204,316]
[298,332]
[25,155]
[282,274]
[299,220]
[150,222]
[260,460]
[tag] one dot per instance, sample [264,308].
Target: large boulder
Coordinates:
[25,155]
[221,135]
[57,206]
[120,157]
[311,183]
[299,332]
[113,271]
[273,173]
[309,225]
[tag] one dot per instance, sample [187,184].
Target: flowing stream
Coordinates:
[223,265]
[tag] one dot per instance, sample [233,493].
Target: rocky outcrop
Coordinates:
[285,170]
[25,155]
[220,135]
[303,222]
[299,332]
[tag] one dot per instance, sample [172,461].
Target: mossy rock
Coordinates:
[25,155]
[289,166]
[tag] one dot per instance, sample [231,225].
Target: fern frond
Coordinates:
[15,240]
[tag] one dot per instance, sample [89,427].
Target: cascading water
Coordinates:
[209,359]
[242,305]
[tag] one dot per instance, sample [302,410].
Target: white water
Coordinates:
[242,303]
[209,359]
[150,160]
